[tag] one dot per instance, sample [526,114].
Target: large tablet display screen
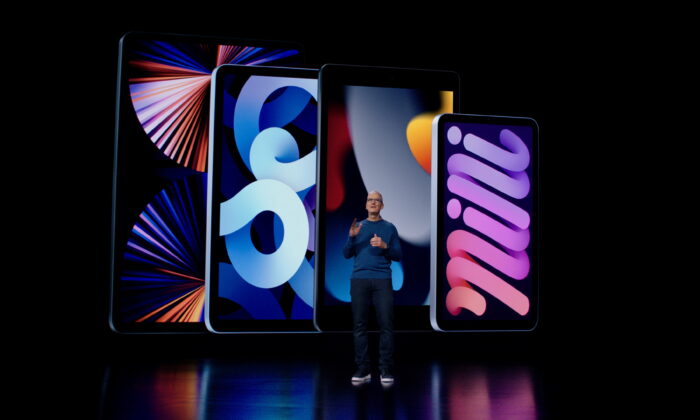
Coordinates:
[376,142]
[376,136]
[160,174]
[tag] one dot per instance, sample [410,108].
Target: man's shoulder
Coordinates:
[389,224]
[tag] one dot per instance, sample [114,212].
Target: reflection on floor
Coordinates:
[215,389]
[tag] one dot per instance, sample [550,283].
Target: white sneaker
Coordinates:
[386,377]
[361,376]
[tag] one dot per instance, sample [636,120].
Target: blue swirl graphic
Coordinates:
[258,303]
[273,147]
[284,185]
[237,213]
[246,118]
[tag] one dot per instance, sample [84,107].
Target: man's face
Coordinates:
[374,203]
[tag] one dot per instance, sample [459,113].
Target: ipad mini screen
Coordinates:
[486,270]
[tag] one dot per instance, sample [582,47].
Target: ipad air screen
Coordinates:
[263,199]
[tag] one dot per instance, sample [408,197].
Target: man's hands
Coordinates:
[378,242]
[355,228]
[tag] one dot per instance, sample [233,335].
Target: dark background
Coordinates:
[512,67]
[570,77]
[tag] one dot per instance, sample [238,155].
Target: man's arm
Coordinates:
[349,248]
[394,247]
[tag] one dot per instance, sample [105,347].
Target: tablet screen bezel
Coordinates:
[213,322]
[438,283]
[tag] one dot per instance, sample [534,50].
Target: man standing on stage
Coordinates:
[374,243]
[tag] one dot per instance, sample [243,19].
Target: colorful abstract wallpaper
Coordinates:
[161,173]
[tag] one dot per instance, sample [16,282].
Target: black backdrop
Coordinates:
[559,73]
[514,68]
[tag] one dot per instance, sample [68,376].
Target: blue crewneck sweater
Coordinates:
[373,262]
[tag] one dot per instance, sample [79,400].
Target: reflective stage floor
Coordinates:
[217,388]
[272,381]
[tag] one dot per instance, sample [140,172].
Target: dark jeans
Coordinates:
[363,292]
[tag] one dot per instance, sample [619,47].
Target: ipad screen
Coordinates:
[487,223]
[263,199]
[376,136]
[160,174]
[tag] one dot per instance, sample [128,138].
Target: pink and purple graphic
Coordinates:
[488,201]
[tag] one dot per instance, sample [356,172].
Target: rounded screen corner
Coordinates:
[113,326]
[436,326]
[535,321]
[317,326]
[210,327]
[315,319]
[533,121]
[440,117]
[534,325]
[215,74]
[128,35]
